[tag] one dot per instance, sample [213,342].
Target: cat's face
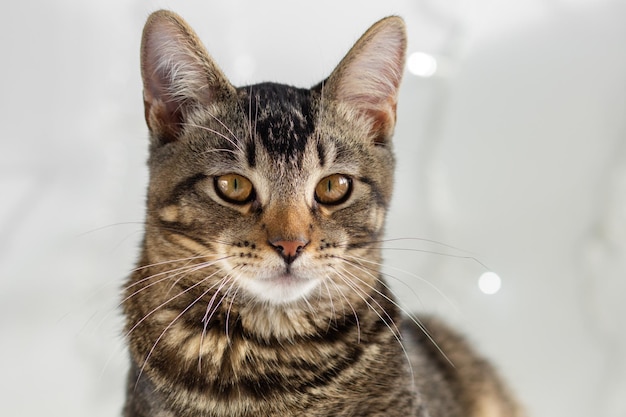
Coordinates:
[283,195]
[277,194]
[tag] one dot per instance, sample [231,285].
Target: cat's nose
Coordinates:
[289,249]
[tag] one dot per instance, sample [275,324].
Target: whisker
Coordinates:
[447,255]
[208,151]
[362,294]
[356,316]
[250,115]
[168,275]
[169,261]
[217,119]
[396,334]
[210,310]
[397,330]
[145,362]
[221,284]
[256,112]
[320,112]
[220,134]
[144,318]
[414,319]
[372,245]
[108,226]
[230,306]
[409,273]
[310,308]
[420,239]
[186,273]
[333,311]
[181,270]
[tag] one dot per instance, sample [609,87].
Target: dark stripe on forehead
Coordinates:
[321,153]
[251,153]
[283,118]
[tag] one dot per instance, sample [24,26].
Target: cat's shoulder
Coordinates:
[472,380]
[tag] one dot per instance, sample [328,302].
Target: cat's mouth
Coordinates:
[283,287]
[288,278]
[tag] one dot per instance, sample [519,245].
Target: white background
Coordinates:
[512,153]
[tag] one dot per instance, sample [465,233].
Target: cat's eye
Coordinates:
[334,189]
[234,188]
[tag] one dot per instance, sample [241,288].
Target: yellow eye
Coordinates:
[234,188]
[334,189]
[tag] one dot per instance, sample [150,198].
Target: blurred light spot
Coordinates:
[489,283]
[422,64]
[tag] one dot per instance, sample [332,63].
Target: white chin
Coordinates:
[280,289]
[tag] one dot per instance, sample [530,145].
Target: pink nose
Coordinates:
[289,249]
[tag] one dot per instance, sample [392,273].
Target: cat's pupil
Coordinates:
[329,185]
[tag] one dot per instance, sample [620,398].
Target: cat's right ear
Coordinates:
[178,75]
[367,80]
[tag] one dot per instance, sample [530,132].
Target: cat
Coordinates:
[258,291]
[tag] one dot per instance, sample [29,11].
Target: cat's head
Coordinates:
[277,193]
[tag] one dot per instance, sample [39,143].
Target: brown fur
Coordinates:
[275,305]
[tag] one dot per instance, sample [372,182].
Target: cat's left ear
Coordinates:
[369,76]
[178,75]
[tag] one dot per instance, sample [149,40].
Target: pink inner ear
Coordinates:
[159,51]
[383,123]
[369,77]
[178,75]
[174,74]
[163,120]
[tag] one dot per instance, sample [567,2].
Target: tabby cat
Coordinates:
[258,290]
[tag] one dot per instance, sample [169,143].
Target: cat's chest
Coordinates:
[238,375]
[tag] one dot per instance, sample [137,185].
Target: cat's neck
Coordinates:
[235,349]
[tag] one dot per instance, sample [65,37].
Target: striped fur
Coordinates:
[271,302]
